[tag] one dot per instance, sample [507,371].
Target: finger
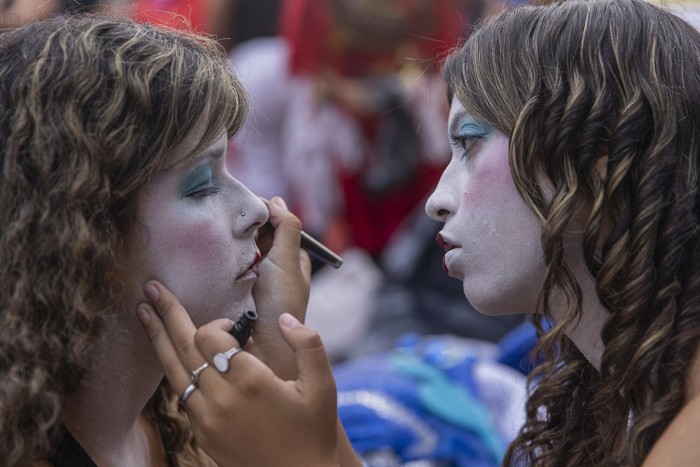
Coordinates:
[287,234]
[305,261]
[264,238]
[215,337]
[177,322]
[165,351]
[315,375]
[265,233]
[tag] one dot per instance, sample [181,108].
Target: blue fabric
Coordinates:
[516,345]
[421,403]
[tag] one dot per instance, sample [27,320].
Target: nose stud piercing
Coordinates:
[242,213]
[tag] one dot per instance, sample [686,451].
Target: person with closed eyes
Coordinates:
[113,186]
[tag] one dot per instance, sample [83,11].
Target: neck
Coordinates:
[585,333]
[103,414]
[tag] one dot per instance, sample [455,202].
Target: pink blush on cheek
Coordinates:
[197,261]
[196,244]
[490,179]
[201,241]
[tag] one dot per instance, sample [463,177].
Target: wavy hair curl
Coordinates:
[577,86]
[90,109]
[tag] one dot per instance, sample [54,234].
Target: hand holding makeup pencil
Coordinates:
[283,286]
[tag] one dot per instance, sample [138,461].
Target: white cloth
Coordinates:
[257,152]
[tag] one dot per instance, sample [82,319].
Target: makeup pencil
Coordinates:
[320,251]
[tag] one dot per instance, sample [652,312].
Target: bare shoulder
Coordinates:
[678,445]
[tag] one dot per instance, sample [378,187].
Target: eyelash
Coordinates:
[465,142]
[204,192]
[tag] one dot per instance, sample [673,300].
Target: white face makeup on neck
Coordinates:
[491,238]
[195,232]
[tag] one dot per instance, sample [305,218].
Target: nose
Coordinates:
[435,207]
[253,213]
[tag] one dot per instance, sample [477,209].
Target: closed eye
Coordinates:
[199,183]
[203,192]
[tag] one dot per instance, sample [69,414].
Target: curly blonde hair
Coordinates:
[90,109]
[574,84]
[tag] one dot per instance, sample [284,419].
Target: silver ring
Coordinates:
[221,360]
[188,392]
[194,374]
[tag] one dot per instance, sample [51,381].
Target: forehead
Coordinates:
[194,148]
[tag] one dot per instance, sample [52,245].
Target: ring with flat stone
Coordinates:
[221,360]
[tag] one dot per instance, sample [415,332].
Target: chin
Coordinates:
[230,309]
[239,305]
[245,306]
[492,305]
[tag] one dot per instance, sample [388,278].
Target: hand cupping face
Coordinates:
[237,408]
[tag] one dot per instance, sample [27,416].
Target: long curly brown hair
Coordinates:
[573,83]
[90,109]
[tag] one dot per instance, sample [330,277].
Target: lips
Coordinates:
[445,246]
[253,268]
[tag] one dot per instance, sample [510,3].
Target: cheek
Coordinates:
[186,246]
[199,242]
[197,261]
[505,245]
[490,187]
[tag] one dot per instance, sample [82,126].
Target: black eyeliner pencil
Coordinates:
[243,328]
[320,251]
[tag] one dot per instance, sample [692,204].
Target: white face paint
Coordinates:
[491,237]
[191,234]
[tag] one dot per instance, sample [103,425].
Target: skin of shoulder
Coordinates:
[678,445]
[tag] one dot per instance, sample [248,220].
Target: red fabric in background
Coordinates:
[307,25]
[374,220]
[180,14]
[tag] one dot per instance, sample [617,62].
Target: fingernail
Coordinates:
[289,321]
[143,314]
[279,202]
[152,292]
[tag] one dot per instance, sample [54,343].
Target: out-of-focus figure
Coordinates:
[365,140]
[348,112]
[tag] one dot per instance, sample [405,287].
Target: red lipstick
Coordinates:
[445,246]
[254,266]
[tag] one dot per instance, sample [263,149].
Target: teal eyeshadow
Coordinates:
[198,178]
[474,128]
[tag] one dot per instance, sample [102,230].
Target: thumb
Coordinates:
[315,375]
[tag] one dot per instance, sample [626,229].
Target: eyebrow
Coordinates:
[211,153]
